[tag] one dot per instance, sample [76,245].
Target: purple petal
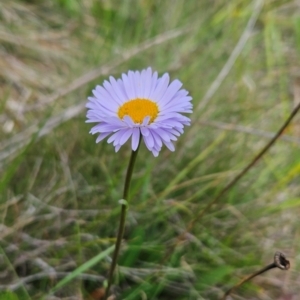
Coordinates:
[135,138]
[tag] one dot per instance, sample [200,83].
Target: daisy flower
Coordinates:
[139,106]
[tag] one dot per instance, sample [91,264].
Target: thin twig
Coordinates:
[22,222]
[106,69]
[182,236]
[233,56]
[20,140]
[249,130]
[280,262]
[52,275]
[246,169]
[70,212]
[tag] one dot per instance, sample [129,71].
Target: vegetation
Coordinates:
[59,190]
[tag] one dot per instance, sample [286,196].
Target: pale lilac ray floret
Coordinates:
[139,105]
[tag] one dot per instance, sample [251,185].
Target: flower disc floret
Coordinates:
[139,106]
[138,109]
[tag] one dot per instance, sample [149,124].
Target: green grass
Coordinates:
[59,190]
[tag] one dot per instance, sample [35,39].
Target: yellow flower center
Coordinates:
[138,109]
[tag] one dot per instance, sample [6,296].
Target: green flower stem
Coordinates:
[280,262]
[122,218]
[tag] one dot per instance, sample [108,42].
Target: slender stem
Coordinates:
[246,169]
[266,268]
[280,262]
[122,218]
[233,182]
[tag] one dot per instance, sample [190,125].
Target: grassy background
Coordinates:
[59,190]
